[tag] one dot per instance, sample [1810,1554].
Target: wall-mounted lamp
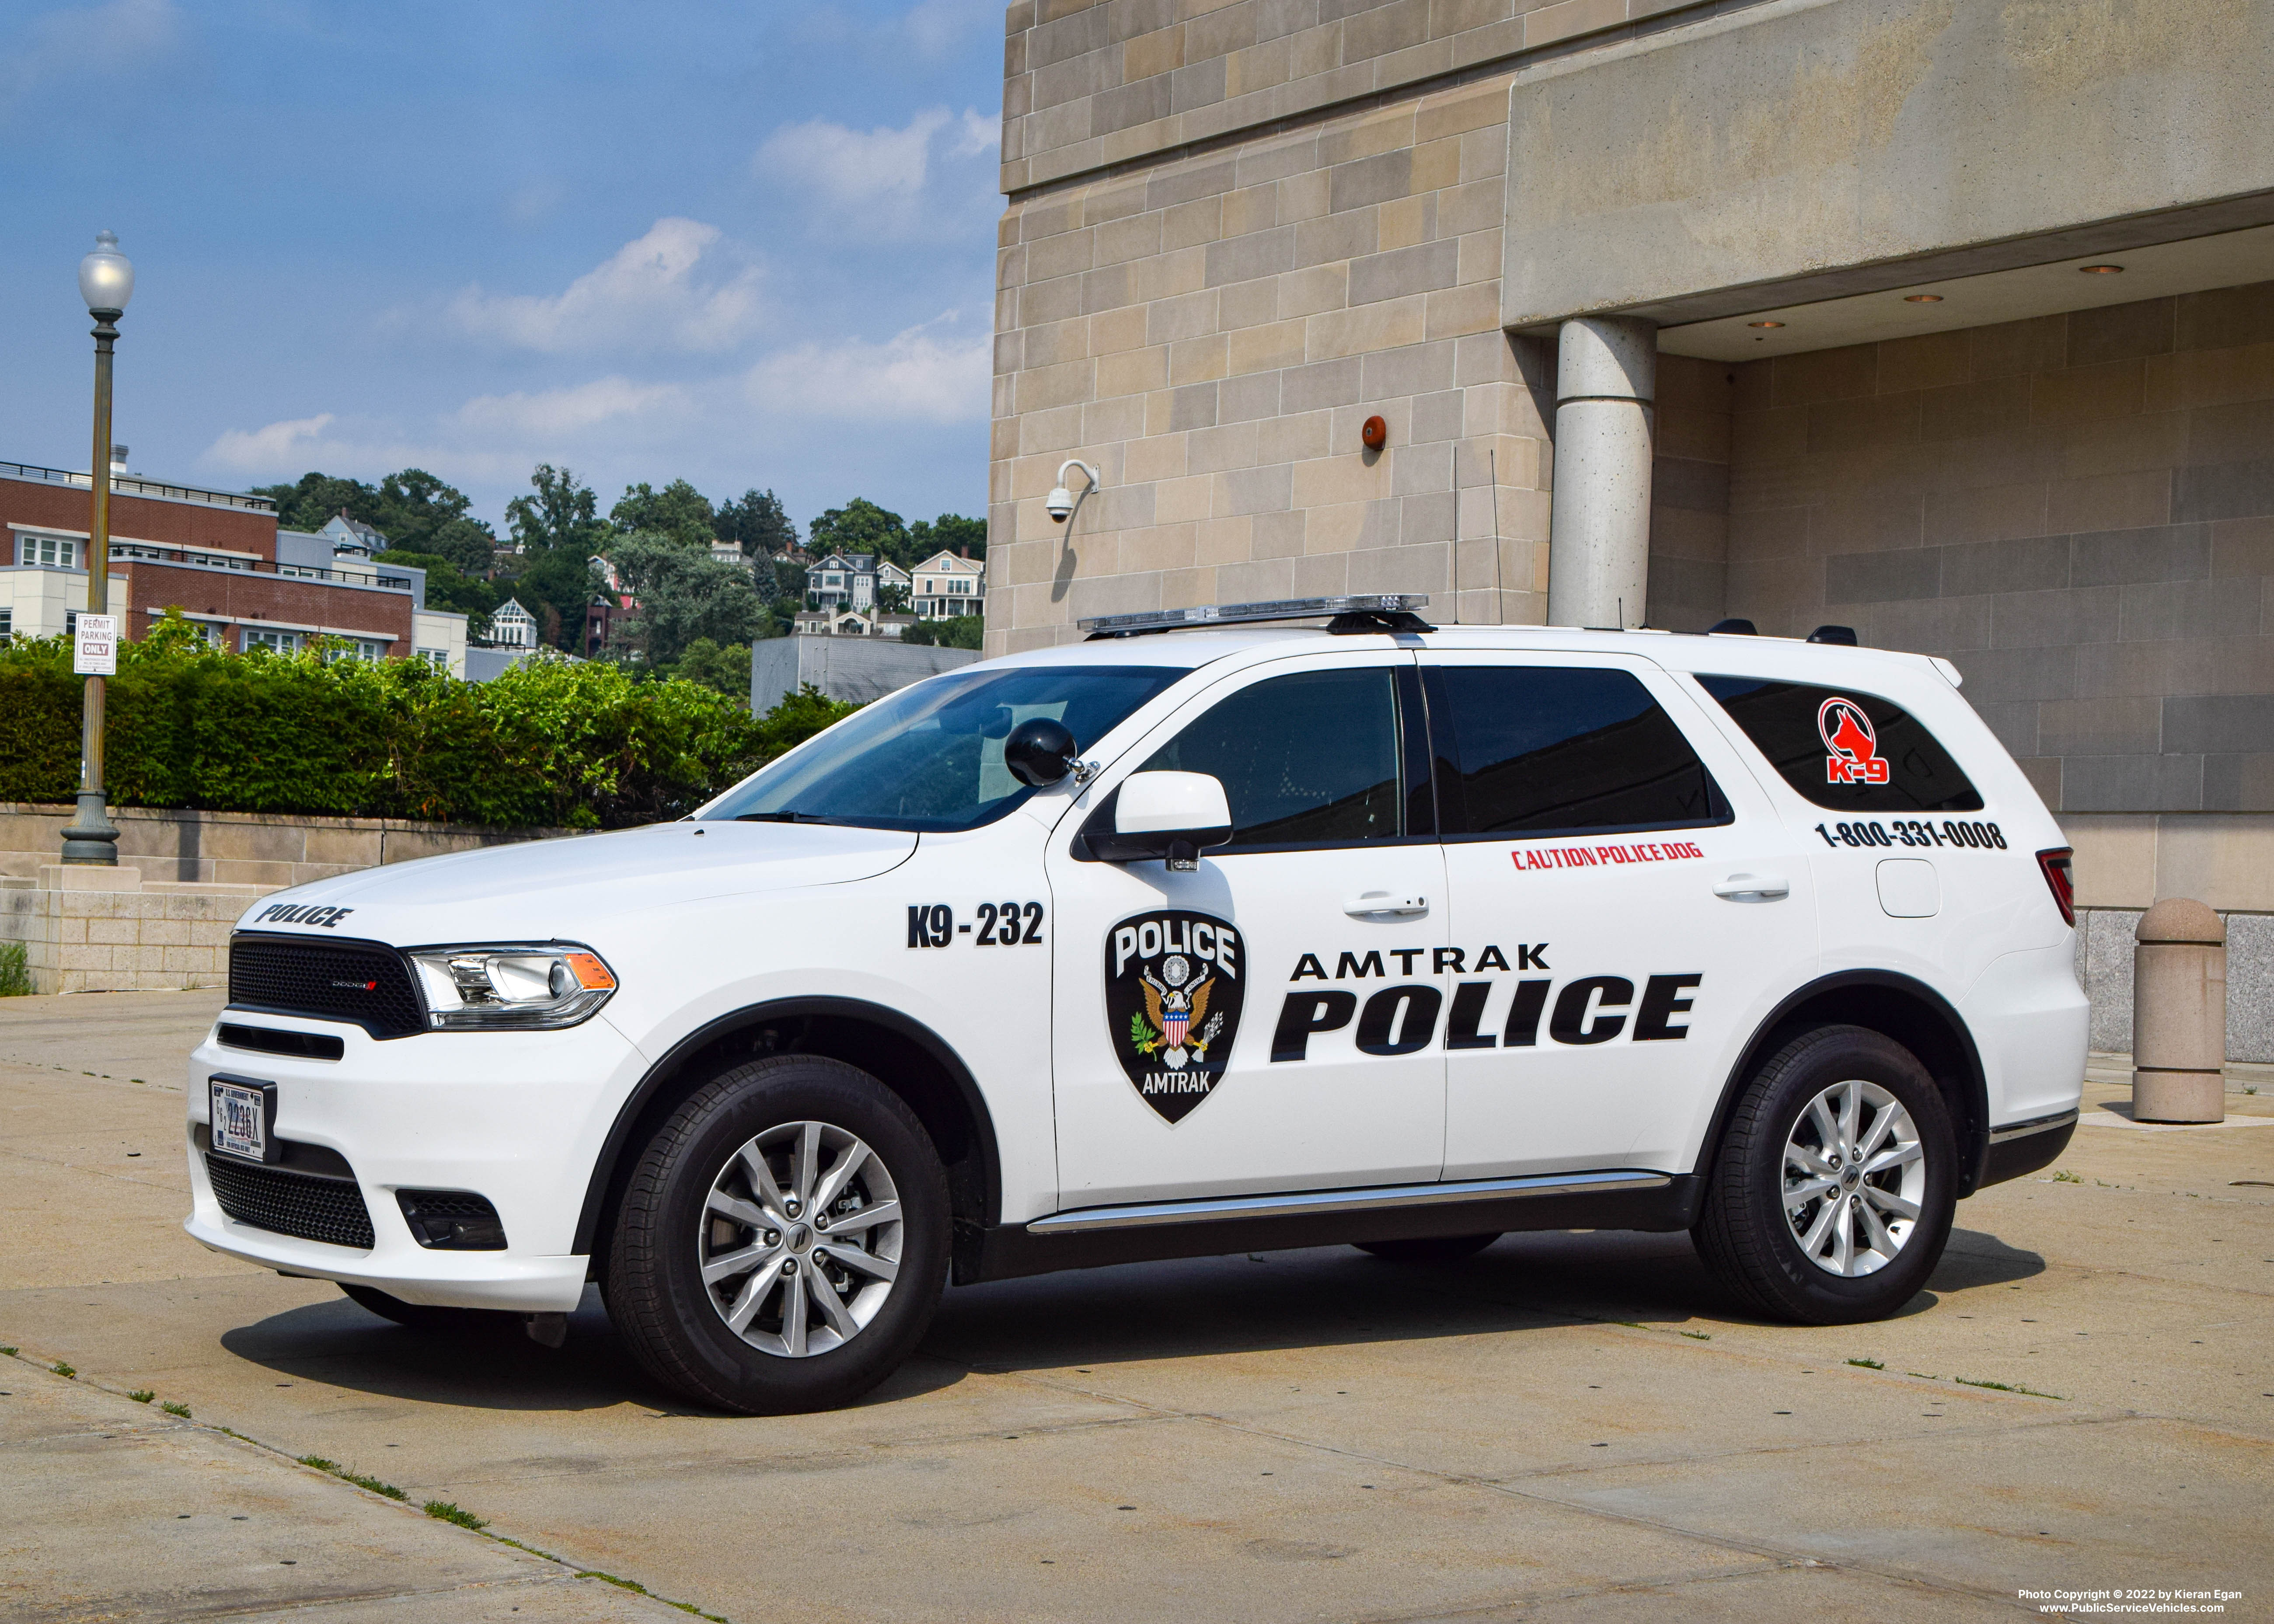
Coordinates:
[1061,501]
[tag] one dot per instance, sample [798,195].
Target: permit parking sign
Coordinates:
[94,651]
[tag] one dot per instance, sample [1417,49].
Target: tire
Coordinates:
[1429,1249]
[759,1340]
[1825,1259]
[427,1317]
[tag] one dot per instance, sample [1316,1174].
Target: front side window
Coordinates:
[1308,759]
[929,758]
[1850,751]
[1539,750]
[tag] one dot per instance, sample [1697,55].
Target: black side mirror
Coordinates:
[1040,752]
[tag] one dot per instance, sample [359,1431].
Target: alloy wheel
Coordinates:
[800,1240]
[1854,1177]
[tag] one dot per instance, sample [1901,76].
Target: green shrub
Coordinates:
[549,742]
[15,971]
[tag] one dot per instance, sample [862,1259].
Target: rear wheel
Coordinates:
[783,1243]
[1831,1197]
[1429,1249]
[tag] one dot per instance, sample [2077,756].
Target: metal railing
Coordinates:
[196,559]
[126,485]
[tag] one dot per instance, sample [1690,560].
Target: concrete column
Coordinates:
[2179,1014]
[1599,526]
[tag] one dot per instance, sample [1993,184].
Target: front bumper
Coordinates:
[518,1118]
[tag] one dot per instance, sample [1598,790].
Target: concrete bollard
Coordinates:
[2179,1014]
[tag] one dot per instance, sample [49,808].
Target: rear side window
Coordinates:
[1531,750]
[1308,759]
[1850,751]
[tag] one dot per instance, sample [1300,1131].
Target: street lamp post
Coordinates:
[106,282]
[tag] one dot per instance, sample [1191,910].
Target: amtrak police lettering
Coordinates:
[1402,1019]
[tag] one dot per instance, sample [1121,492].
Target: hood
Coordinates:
[544,889]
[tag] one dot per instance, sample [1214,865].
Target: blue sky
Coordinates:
[745,244]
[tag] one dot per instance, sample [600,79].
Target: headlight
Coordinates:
[515,988]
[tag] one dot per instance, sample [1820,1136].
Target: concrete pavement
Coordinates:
[1566,1426]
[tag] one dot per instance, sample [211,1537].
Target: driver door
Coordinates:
[1267,1021]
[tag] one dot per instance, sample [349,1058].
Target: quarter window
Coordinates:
[1533,750]
[1850,751]
[1309,759]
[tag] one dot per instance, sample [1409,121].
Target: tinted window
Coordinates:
[1546,750]
[930,756]
[1305,760]
[1850,751]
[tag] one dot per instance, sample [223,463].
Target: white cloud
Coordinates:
[559,411]
[83,42]
[260,451]
[648,294]
[850,166]
[913,375]
[884,182]
[937,26]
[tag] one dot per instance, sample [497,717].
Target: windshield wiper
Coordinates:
[782,817]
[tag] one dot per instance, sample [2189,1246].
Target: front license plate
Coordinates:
[240,1120]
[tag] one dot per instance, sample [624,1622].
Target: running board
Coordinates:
[1303,1205]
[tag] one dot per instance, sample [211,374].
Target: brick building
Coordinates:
[215,555]
[1950,323]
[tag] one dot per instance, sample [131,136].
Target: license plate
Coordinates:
[240,1120]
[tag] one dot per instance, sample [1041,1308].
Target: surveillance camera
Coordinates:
[1059,501]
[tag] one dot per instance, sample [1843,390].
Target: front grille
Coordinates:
[288,1203]
[271,1041]
[361,981]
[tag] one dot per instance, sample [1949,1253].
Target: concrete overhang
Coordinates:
[1806,151]
[2155,271]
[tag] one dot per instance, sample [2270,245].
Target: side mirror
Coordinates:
[1040,752]
[1175,815]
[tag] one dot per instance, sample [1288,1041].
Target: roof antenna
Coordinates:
[1622,613]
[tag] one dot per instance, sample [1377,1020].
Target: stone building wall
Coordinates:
[1212,333]
[2078,509]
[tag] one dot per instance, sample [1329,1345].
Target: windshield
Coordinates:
[929,757]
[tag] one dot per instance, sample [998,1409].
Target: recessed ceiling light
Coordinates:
[2102,270]
[1922,299]
[1765,324]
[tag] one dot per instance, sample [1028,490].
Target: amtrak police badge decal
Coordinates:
[1173,996]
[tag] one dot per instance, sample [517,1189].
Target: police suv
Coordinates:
[1207,934]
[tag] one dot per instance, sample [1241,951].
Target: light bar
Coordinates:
[1367,606]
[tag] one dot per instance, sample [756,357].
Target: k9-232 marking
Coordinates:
[1915,832]
[1001,924]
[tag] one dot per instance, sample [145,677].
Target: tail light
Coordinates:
[2054,863]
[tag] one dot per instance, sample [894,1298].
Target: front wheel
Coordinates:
[1830,1198]
[784,1240]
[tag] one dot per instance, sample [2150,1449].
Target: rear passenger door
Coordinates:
[1626,907]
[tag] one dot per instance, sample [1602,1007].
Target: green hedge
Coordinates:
[549,742]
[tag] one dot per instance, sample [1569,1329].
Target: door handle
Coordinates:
[1372,903]
[1753,888]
